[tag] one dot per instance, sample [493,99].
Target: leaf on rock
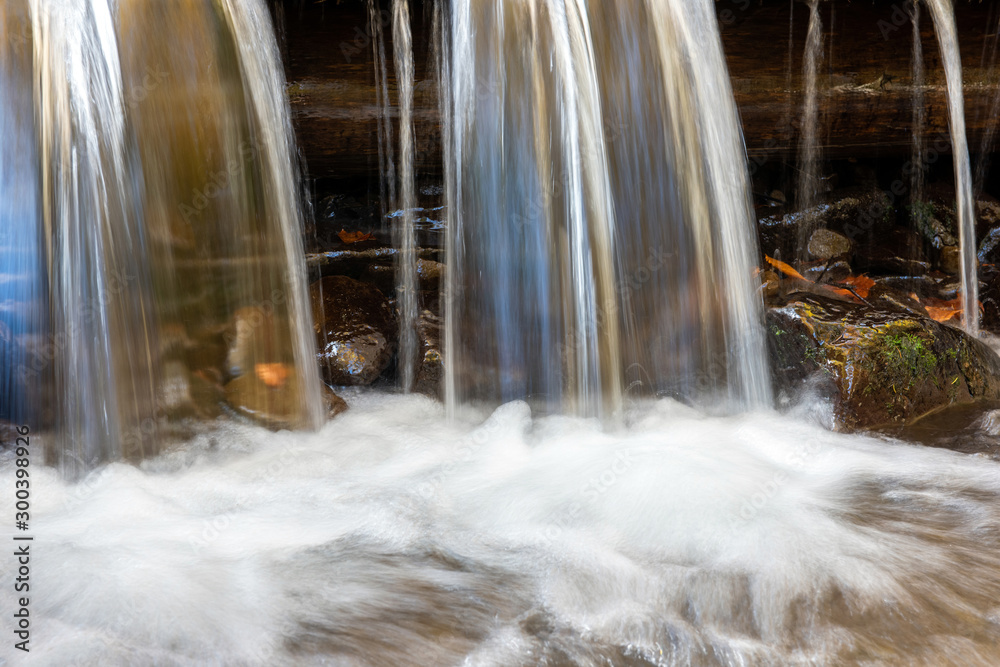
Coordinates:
[272,375]
[354,237]
[784,268]
[861,284]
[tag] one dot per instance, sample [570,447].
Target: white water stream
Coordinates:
[392,537]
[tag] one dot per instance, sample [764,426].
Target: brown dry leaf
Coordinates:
[272,375]
[354,237]
[784,268]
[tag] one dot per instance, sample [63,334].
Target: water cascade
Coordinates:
[22,278]
[807,187]
[919,110]
[991,45]
[386,161]
[606,482]
[944,25]
[601,238]
[404,234]
[164,228]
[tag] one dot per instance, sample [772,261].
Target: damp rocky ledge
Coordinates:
[866,319]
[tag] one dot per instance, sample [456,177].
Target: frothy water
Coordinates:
[601,237]
[395,537]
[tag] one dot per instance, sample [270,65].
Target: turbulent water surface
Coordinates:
[395,537]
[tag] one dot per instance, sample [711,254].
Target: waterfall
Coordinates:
[808,159]
[919,112]
[404,234]
[947,34]
[386,164]
[22,287]
[168,208]
[601,238]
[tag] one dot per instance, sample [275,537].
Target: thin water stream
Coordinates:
[944,24]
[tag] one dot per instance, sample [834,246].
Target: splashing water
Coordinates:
[168,205]
[944,24]
[395,537]
[601,237]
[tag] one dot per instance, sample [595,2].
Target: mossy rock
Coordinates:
[877,367]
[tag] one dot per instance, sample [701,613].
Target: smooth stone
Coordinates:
[825,244]
[355,330]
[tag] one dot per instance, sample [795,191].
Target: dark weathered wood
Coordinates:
[330,67]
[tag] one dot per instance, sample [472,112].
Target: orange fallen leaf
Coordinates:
[942,311]
[841,292]
[942,314]
[354,237]
[784,268]
[272,375]
[861,284]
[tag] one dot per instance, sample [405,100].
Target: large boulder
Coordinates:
[356,330]
[880,366]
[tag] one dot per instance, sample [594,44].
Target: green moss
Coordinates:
[906,358]
[922,214]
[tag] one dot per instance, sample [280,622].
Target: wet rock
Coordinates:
[898,252]
[355,330]
[990,298]
[186,394]
[275,404]
[334,404]
[250,338]
[374,265]
[989,248]
[771,283]
[825,244]
[430,372]
[950,260]
[935,223]
[856,215]
[828,272]
[383,276]
[880,366]
[8,435]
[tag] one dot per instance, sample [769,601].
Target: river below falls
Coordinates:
[396,537]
